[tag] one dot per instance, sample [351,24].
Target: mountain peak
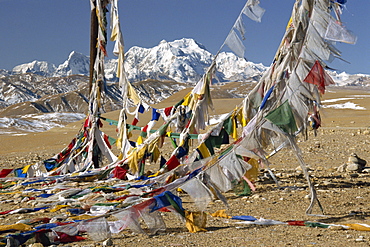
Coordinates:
[37,67]
[163,41]
[183,60]
[76,63]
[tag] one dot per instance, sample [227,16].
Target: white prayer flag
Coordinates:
[337,32]
[253,10]
[235,44]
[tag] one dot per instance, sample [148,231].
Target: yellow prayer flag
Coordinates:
[187,99]
[25,169]
[202,148]
[156,153]
[132,161]
[221,213]
[358,227]
[81,217]
[252,174]
[289,23]
[139,140]
[196,221]
[141,152]
[17,226]
[58,207]
[132,94]
[155,174]
[235,131]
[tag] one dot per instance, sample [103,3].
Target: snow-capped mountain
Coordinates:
[76,64]
[36,67]
[345,79]
[233,68]
[183,60]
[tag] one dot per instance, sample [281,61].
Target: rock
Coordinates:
[353,158]
[36,245]
[353,167]
[342,168]
[355,164]
[367,170]
[16,196]
[108,242]
[360,239]
[255,196]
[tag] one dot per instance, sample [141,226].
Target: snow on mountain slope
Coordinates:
[36,67]
[76,64]
[183,60]
[344,79]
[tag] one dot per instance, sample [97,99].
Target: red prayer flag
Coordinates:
[145,128]
[319,77]
[106,140]
[5,172]
[119,172]
[295,223]
[172,163]
[135,121]
[168,110]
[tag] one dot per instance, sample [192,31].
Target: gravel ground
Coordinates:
[344,194]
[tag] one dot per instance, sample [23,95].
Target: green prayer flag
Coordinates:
[228,125]
[283,117]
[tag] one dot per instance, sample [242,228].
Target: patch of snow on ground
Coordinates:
[37,123]
[335,100]
[347,105]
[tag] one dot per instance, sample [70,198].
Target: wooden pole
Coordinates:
[93,42]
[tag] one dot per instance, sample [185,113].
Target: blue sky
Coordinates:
[48,30]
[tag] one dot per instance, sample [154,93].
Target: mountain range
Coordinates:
[183,61]
[156,73]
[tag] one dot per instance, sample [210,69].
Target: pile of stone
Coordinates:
[354,164]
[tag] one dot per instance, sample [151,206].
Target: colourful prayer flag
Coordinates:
[319,77]
[283,117]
